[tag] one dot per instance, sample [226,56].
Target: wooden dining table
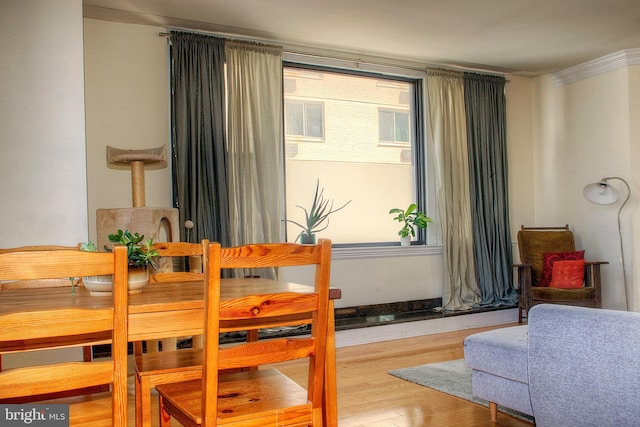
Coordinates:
[176,309]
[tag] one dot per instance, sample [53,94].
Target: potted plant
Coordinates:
[140,253]
[410,219]
[316,217]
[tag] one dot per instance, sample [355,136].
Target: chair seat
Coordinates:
[166,362]
[540,293]
[90,410]
[267,392]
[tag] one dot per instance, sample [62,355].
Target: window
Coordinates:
[394,126]
[304,119]
[371,151]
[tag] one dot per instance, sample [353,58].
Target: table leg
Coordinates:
[330,401]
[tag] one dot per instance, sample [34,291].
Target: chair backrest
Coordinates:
[262,310]
[188,261]
[534,242]
[37,327]
[41,283]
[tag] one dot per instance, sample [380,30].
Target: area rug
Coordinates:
[452,377]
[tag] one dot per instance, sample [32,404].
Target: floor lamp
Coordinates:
[602,193]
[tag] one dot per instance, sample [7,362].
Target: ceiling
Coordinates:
[526,37]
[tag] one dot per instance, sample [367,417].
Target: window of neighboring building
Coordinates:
[372,150]
[304,119]
[394,126]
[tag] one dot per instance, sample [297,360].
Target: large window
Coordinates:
[360,134]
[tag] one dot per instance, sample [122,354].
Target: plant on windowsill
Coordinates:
[140,254]
[410,218]
[316,217]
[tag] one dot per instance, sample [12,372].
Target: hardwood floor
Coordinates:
[369,397]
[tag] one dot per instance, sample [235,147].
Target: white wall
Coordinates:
[520,155]
[42,146]
[582,134]
[127,97]
[42,134]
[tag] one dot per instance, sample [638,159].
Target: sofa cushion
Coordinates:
[584,373]
[549,258]
[567,274]
[501,352]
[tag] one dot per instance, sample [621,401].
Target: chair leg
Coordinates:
[143,401]
[493,411]
[165,418]
[330,398]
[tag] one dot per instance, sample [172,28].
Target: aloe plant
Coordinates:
[410,218]
[317,217]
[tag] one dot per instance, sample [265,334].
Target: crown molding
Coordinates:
[611,62]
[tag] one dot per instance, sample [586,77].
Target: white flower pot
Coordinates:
[405,241]
[103,285]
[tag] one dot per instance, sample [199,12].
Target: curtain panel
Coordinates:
[255,147]
[198,137]
[485,107]
[445,93]
[467,114]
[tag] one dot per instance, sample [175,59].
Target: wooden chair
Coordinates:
[155,368]
[87,354]
[265,396]
[182,262]
[533,244]
[37,328]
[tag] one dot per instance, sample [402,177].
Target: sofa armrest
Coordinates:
[583,365]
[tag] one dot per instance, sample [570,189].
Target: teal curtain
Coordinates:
[485,107]
[199,158]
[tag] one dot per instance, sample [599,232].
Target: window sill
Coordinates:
[385,251]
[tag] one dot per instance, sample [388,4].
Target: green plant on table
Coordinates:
[140,252]
[410,219]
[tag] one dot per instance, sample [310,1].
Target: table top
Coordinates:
[154,297]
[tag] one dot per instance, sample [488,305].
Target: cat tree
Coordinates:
[154,223]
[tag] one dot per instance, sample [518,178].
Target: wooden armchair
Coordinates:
[540,248]
[264,396]
[27,328]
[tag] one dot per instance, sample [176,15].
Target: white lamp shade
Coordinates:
[600,193]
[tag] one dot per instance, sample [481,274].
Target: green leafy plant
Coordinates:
[317,217]
[410,219]
[140,253]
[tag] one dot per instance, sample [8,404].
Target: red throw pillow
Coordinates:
[550,258]
[567,274]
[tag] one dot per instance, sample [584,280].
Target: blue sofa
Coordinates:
[569,366]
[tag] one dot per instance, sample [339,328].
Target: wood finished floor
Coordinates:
[369,397]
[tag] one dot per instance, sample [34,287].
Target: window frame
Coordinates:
[418,143]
